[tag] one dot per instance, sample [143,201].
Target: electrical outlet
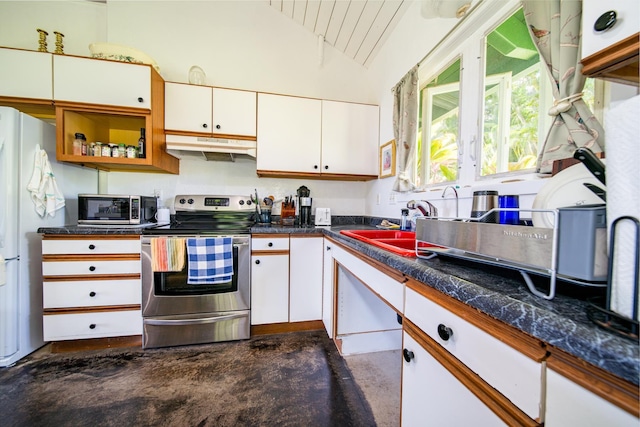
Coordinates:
[157,193]
[392,198]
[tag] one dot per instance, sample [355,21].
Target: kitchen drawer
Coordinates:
[90,246]
[269,243]
[513,374]
[58,327]
[389,289]
[89,267]
[91,293]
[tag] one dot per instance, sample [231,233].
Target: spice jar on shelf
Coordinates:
[132,152]
[106,150]
[79,142]
[97,149]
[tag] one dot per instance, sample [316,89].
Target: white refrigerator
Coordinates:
[20,244]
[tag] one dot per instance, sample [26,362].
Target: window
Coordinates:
[515,98]
[484,114]
[438,128]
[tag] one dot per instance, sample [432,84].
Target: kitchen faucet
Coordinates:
[425,208]
[454,192]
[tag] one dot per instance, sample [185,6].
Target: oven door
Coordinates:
[168,293]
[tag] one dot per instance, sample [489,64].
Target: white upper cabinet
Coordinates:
[234,112]
[95,81]
[187,108]
[626,24]
[26,74]
[311,137]
[289,134]
[349,138]
[203,109]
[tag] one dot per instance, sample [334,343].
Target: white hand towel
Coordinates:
[45,194]
[623,199]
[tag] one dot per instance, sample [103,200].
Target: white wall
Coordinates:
[411,41]
[239,44]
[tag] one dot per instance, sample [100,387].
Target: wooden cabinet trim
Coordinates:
[97,309]
[310,175]
[618,62]
[609,387]
[525,344]
[280,328]
[91,257]
[270,253]
[498,403]
[83,278]
[90,237]
[391,272]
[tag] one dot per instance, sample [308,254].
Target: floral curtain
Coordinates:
[405,124]
[555,27]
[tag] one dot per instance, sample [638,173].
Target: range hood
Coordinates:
[219,149]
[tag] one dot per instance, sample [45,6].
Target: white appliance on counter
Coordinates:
[20,244]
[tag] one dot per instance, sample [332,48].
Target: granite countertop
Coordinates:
[498,292]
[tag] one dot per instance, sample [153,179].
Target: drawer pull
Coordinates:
[92,294]
[445,332]
[92,247]
[407,354]
[92,326]
[270,244]
[257,261]
[140,99]
[92,268]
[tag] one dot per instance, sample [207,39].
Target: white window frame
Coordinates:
[429,93]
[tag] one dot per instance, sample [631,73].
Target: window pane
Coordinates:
[439,111]
[511,99]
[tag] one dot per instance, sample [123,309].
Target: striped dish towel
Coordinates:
[167,254]
[210,260]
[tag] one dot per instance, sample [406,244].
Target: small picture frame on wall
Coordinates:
[388,159]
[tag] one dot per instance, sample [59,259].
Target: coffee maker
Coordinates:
[304,206]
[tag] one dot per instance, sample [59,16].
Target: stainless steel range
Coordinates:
[176,312]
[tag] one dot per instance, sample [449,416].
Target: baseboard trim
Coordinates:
[280,328]
[96,344]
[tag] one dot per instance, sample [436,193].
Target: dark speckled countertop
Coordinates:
[497,292]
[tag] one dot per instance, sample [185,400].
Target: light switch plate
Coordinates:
[323,216]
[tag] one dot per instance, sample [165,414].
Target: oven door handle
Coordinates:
[198,321]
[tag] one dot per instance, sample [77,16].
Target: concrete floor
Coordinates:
[378,376]
[296,379]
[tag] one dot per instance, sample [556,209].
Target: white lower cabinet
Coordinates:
[432,396]
[569,404]
[305,278]
[286,278]
[269,279]
[502,382]
[91,286]
[328,294]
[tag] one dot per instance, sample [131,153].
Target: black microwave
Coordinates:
[116,209]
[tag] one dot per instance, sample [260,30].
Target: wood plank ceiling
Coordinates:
[357,28]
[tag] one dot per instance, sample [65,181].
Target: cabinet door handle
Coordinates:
[270,244]
[140,99]
[605,21]
[315,166]
[326,167]
[217,126]
[204,125]
[92,326]
[445,332]
[92,294]
[257,261]
[92,247]
[328,248]
[408,355]
[92,268]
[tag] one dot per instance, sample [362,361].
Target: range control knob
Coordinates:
[190,201]
[241,202]
[182,201]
